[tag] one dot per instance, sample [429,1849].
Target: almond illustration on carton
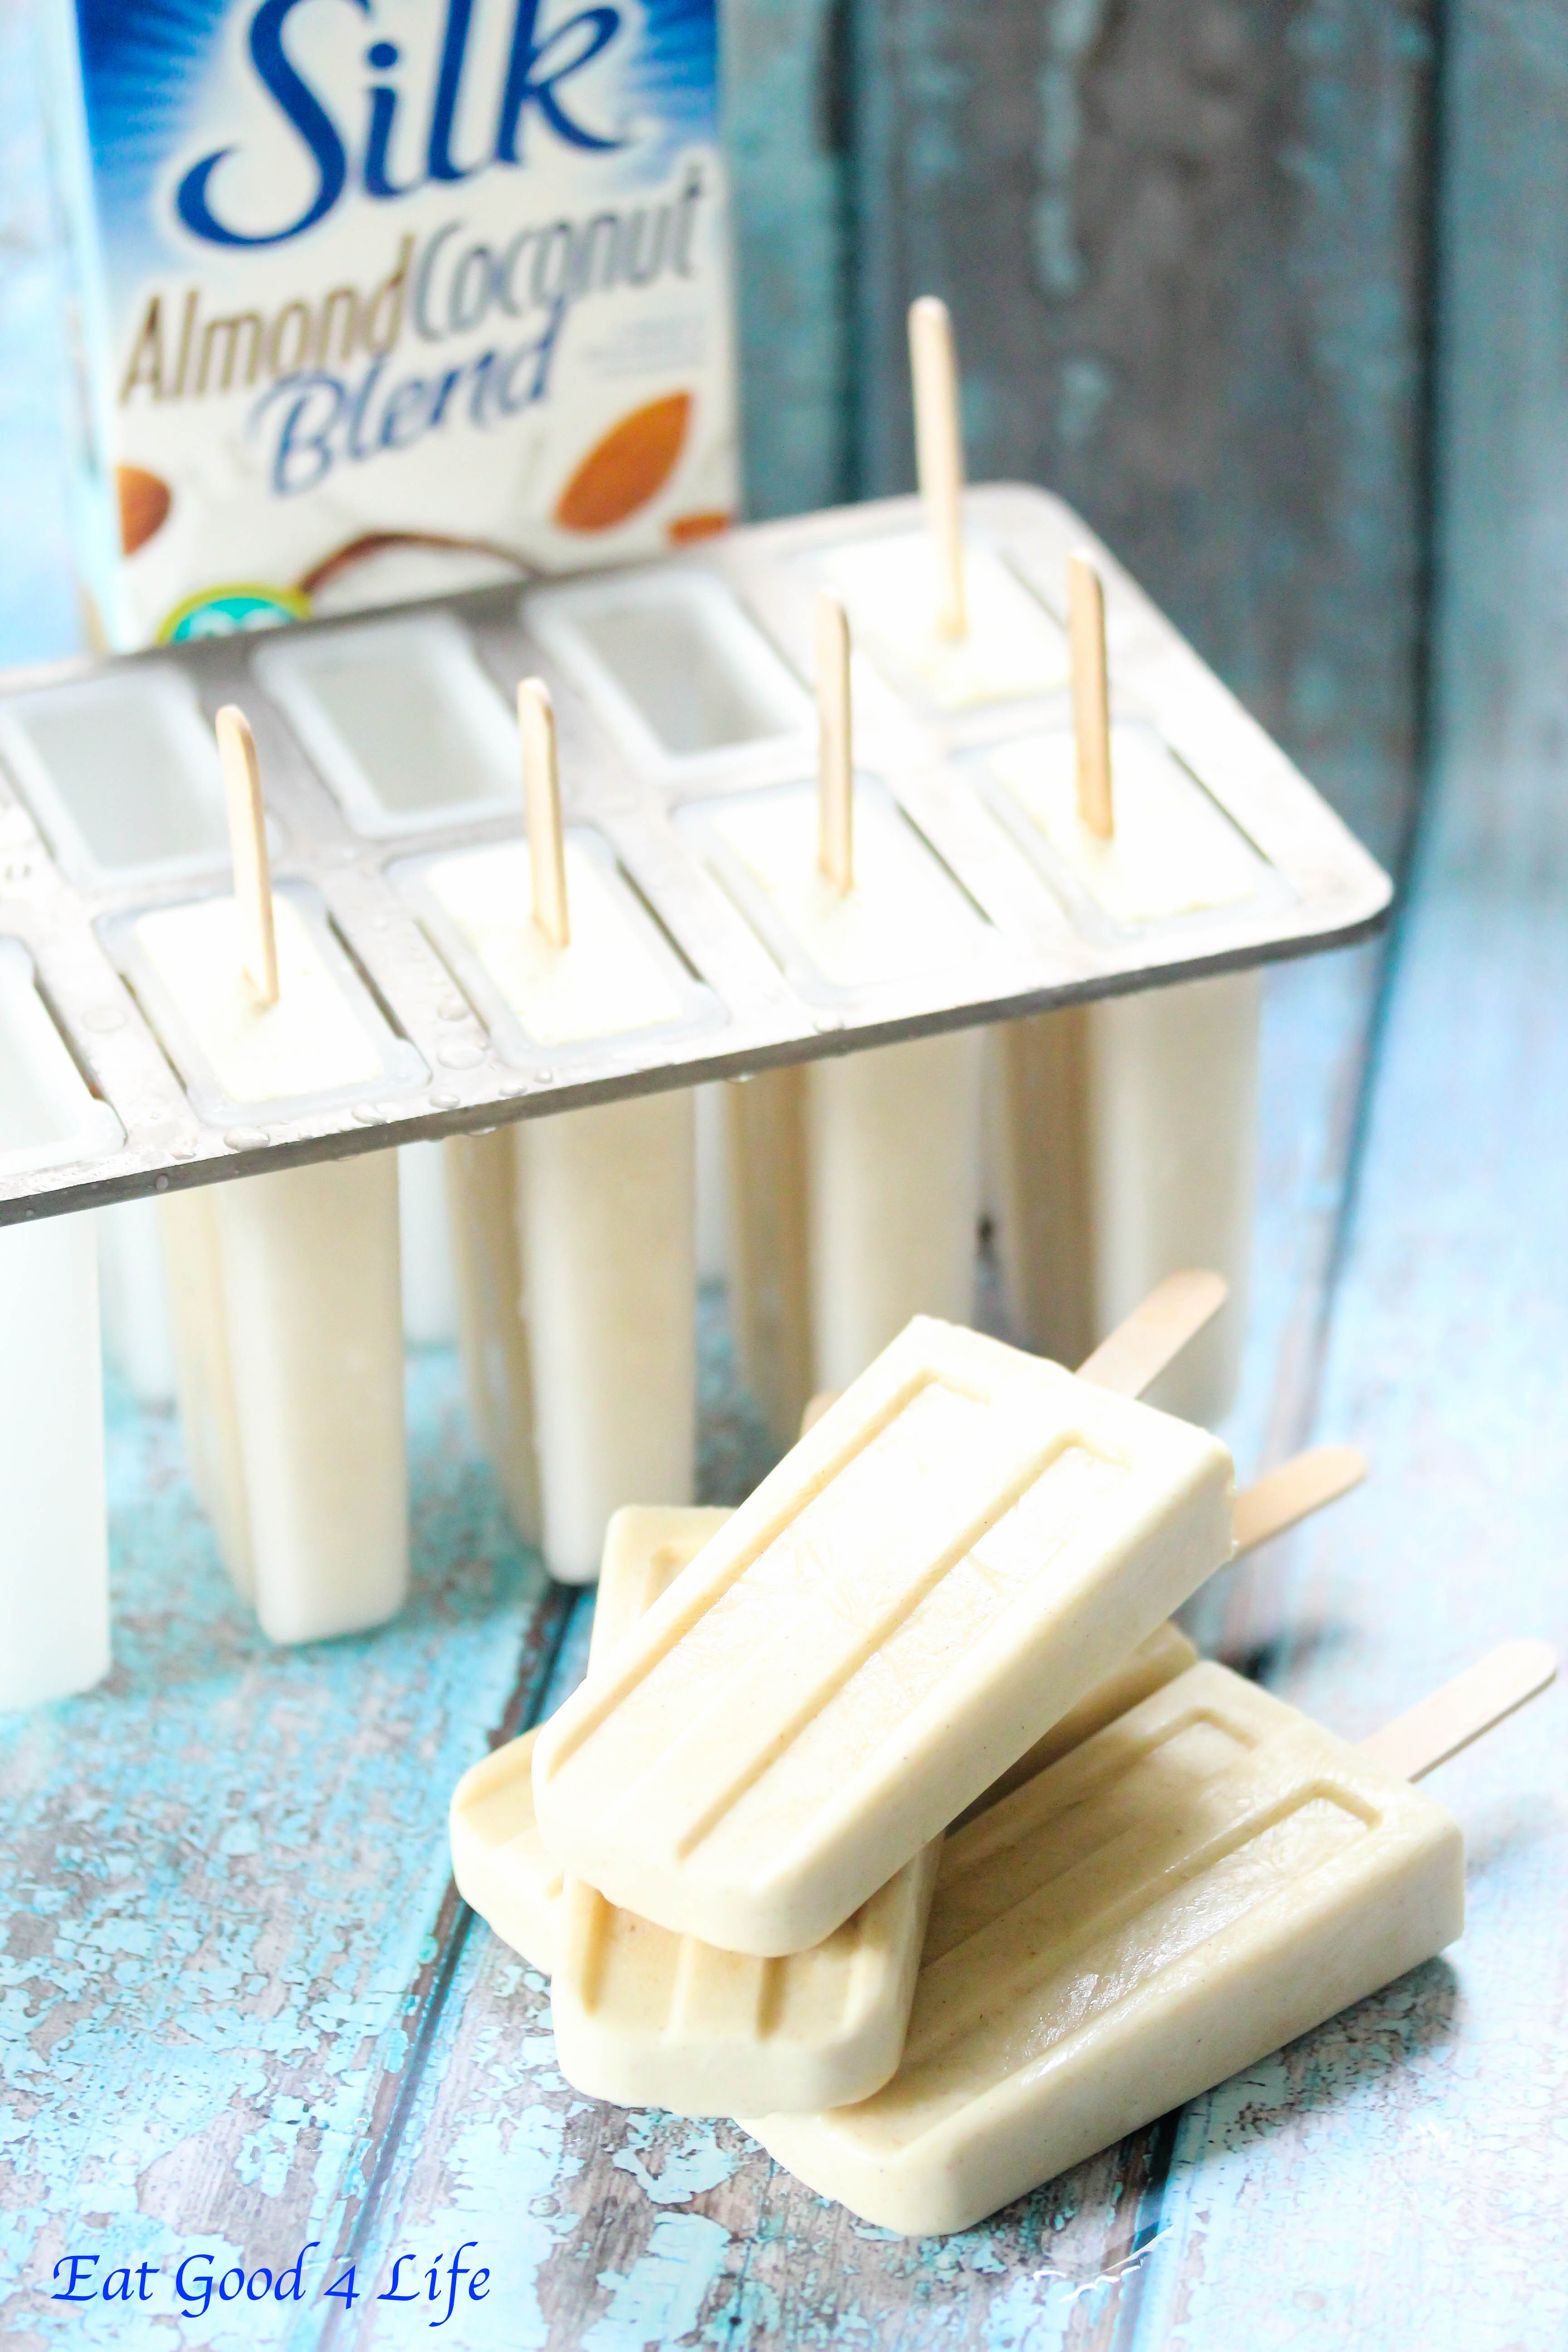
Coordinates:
[144,503]
[708,524]
[630,465]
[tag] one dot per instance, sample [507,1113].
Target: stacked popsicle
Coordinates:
[945,1611]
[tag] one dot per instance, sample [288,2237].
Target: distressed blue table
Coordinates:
[244,2017]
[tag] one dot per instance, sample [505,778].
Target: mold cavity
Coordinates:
[401,719]
[677,661]
[123,770]
[666,659]
[48,1112]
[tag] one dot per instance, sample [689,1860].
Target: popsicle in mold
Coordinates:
[938,610]
[1209,1876]
[1129,1125]
[285,1289]
[54,1550]
[581,1343]
[855,1179]
[943,1566]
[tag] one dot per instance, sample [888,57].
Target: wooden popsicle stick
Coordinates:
[1140,1348]
[1294,1491]
[939,453]
[1415,1743]
[835,753]
[247,847]
[541,810]
[1090,695]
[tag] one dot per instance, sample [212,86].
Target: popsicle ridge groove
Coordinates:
[1108,1794]
[1160,1852]
[765,1708]
[755,1527]
[966,1543]
[1182,1913]
[1288,1885]
[787,1732]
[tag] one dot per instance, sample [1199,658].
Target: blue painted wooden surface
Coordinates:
[785,122]
[240,2007]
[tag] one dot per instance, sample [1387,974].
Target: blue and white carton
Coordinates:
[377,298]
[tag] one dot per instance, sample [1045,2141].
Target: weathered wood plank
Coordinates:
[1501,676]
[1187,252]
[785,125]
[1408,2165]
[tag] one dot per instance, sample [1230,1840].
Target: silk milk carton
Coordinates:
[379,297]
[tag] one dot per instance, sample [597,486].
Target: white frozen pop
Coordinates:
[285,1288]
[54,1549]
[428,1260]
[603,1297]
[497,1376]
[132,1292]
[946,1564]
[1129,1125]
[856,1180]
[1208,1877]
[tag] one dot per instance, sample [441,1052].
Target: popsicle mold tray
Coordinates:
[687,728]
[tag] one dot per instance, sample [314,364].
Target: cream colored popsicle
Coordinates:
[943,1566]
[601,1299]
[768,1223]
[133,1301]
[1130,1147]
[856,1181]
[492,1331]
[288,1341]
[938,610]
[54,1532]
[892,1137]
[1129,1126]
[285,1289]
[53,1552]
[499,1859]
[606,1216]
[430,1312]
[1209,1876]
